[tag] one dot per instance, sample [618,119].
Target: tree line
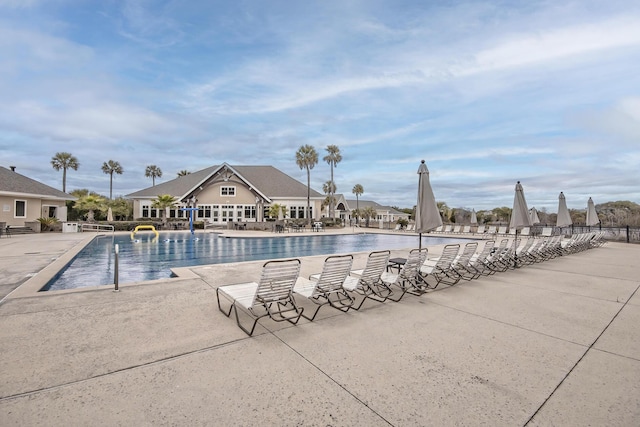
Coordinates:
[611,214]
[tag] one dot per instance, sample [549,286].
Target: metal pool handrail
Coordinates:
[97,227]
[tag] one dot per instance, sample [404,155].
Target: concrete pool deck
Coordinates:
[555,343]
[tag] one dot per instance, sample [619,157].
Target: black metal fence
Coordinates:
[626,233]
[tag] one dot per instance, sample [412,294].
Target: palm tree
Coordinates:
[183,172]
[368,213]
[162,202]
[357,190]
[110,168]
[153,172]
[121,208]
[329,189]
[91,203]
[276,210]
[64,161]
[333,158]
[307,158]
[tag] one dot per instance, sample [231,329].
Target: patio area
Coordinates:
[554,343]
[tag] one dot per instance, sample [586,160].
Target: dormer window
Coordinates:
[228,191]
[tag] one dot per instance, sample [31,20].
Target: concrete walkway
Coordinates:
[556,343]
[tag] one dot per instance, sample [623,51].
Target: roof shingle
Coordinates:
[13,182]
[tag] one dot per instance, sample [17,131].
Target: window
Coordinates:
[227,191]
[227,213]
[249,211]
[145,211]
[20,209]
[204,211]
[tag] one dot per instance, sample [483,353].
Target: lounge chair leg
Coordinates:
[226,313]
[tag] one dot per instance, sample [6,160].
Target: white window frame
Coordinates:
[15,208]
[228,191]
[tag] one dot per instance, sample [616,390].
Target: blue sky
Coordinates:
[488,93]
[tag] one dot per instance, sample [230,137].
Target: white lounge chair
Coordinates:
[271,297]
[408,279]
[546,232]
[327,287]
[368,282]
[439,269]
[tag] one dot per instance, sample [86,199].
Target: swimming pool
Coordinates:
[148,257]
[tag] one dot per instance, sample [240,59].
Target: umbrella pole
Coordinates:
[419,240]
[515,251]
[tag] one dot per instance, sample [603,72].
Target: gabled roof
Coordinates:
[14,184]
[352,203]
[266,180]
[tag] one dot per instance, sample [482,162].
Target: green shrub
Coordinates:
[47,224]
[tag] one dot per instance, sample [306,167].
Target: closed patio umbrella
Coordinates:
[427,214]
[519,215]
[592,215]
[564,219]
[533,216]
[109,215]
[474,218]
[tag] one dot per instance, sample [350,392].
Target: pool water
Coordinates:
[147,257]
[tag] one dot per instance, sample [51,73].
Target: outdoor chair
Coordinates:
[7,231]
[522,253]
[462,264]
[368,281]
[408,279]
[457,229]
[546,232]
[491,229]
[555,246]
[438,229]
[502,230]
[411,227]
[497,261]
[480,229]
[532,254]
[479,261]
[447,229]
[598,240]
[271,297]
[466,229]
[439,269]
[327,287]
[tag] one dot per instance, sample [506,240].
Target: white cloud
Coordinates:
[556,44]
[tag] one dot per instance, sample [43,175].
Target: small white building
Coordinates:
[23,200]
[345,210]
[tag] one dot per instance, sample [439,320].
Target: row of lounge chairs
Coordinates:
[492,230]
[409,227]
[280,290]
